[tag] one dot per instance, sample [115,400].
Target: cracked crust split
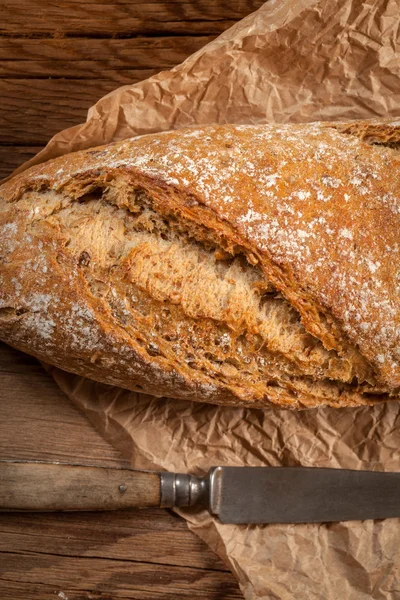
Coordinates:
[212,264]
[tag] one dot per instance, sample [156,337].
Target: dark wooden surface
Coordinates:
[138,554]
[57,57]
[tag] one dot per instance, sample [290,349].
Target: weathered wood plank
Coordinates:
[110,18]
[38,422]
[73,579]
[12,157]
[76,576]
[33,110]
[139,554]
[61,436]
[115,60]
[152,535]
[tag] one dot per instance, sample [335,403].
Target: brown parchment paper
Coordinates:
[292,60]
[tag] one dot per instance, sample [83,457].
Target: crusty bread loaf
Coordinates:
[227,264]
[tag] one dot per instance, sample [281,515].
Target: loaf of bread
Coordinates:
[252,265]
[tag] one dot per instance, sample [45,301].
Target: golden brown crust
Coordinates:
[317,205]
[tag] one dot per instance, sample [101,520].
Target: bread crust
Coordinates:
[316,205]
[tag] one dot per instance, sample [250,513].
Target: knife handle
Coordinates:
[57,487]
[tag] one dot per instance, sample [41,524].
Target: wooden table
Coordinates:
[57,57]
[142,554]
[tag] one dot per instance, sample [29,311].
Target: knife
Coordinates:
[233,494]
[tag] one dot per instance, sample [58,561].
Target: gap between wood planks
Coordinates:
[118,560]
[165,31]
[217,590]
[66,77]
[86,573]
[69,57]
[111,18]
[137,594]
[153,551]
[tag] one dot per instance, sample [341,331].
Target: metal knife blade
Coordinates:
[301,495]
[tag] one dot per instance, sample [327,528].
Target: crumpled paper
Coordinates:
[289,61]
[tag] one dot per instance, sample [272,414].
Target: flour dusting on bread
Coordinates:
[231,264]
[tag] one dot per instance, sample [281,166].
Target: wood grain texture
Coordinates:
[135,554]
[12,156]
[44,591]
[53,487]
[33,110]
[121,61]
[155,536]
[47,85]
[41,80]
[37,421]
[121,17]
[77,577]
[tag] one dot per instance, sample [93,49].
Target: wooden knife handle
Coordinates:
[55,487]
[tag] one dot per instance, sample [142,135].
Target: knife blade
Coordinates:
[243,495]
